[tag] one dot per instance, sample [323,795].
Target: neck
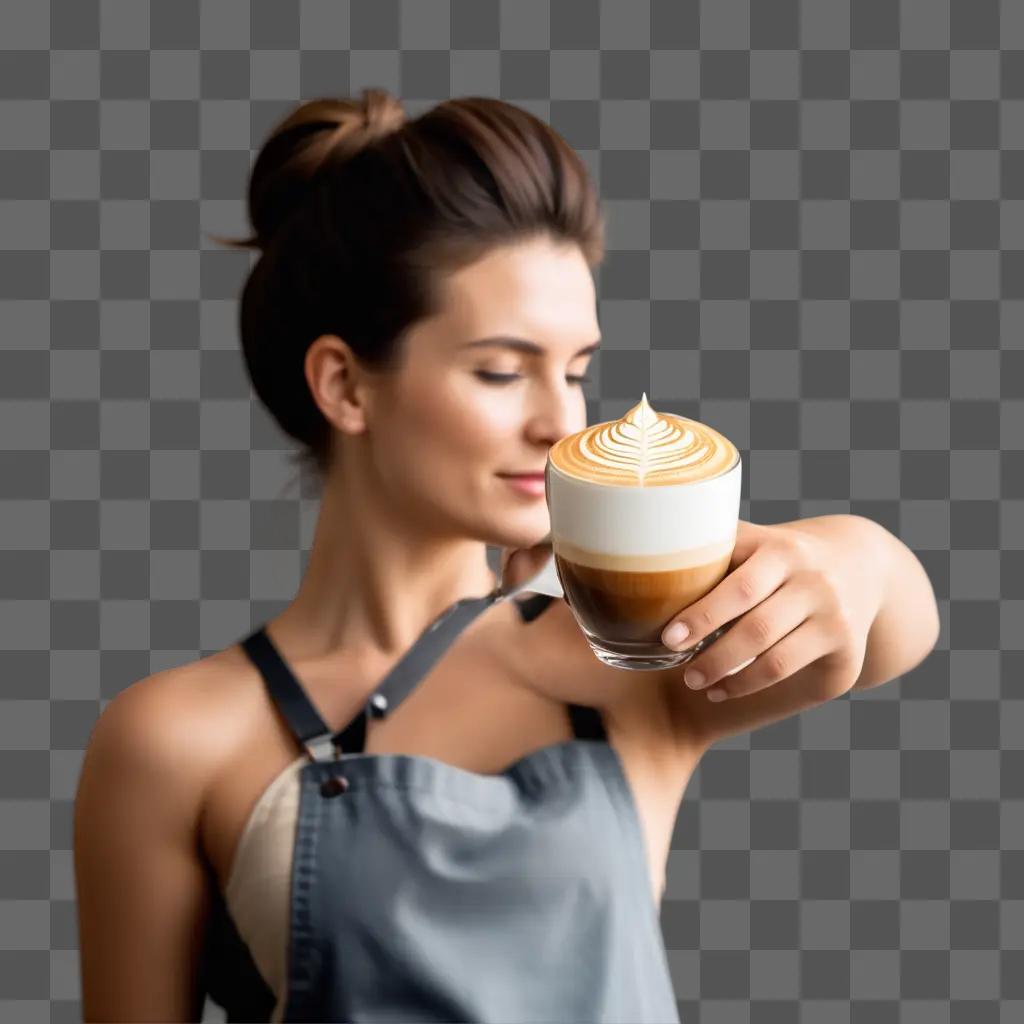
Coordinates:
[375,579]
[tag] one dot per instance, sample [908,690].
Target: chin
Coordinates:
[530,535]
[508,530]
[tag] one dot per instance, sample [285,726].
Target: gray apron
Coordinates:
[421,891]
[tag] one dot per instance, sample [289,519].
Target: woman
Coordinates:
[352,816]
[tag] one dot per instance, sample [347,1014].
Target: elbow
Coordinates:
[932,635]
[876,672]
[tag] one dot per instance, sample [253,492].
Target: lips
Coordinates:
[531,484]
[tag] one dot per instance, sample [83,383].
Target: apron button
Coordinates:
[334,785]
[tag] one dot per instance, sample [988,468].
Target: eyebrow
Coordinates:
[522,345]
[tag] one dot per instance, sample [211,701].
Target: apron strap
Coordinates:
[301,717]
[313,733]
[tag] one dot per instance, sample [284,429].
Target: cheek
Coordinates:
[462,419]
[488,431]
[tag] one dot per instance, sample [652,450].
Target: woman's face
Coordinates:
[459,415]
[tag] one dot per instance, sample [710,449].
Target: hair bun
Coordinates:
[382,112]
[317,133]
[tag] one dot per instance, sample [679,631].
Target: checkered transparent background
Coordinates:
[816,245]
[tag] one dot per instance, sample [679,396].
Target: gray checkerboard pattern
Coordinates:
[816,245]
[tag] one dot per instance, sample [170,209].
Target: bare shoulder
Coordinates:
[142,886]
[174,725]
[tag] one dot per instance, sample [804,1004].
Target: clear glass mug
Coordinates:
[629,559]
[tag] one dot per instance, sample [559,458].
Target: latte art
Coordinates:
[644,449]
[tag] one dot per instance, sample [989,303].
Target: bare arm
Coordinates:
[142,895]
[902,632]
[906,627]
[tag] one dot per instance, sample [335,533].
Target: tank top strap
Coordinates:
[587,722]
[532,606]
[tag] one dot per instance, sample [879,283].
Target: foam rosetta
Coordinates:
[644,449]
[645,493]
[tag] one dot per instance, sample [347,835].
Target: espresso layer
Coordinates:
[634,607]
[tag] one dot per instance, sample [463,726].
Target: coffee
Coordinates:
[644,513]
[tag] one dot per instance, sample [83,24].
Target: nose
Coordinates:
[559,410]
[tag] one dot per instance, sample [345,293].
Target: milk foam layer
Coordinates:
[688,518]
[644,449]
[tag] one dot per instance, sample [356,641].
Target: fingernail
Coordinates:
[716,695]
[693,678]
[675,634]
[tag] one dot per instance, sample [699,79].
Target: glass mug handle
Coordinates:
[544,581]
[547,581]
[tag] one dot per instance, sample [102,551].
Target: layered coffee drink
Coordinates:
[644,512]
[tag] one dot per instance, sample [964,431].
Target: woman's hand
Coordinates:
[521,564]
[798,594]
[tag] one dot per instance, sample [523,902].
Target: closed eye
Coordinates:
[506,378]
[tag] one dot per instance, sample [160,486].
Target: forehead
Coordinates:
[533,289]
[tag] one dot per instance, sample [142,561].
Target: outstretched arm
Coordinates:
[906,627]
[818,607]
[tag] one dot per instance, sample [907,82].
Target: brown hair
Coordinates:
[357,210]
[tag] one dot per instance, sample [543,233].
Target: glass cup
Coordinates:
[631,558]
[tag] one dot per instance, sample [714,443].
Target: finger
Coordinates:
[749,537]
[806,644]
[523,564]
[505,557]
[527,556]
[749,637]
[758,577]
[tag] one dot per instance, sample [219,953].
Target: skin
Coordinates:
[815,608]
